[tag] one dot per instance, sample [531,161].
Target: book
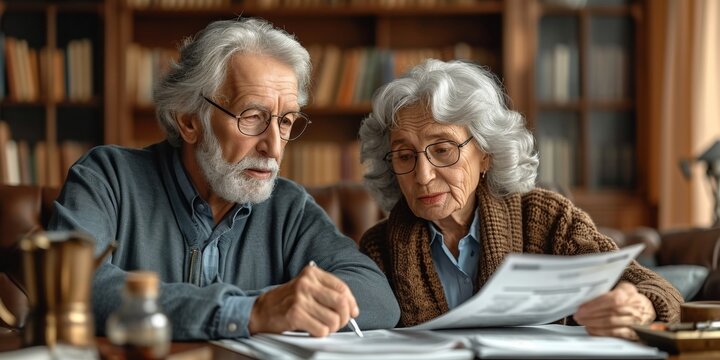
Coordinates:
[13,165]
[2,66]
[4,138]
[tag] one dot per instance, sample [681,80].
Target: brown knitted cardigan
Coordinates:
[540,222]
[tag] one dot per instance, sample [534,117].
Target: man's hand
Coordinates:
[315,301]
[612,313]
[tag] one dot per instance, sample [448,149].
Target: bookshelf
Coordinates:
[355,47]
[52,106]
[586,105]
[575,72]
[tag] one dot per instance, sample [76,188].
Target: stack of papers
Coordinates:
[525,290]
[376,344]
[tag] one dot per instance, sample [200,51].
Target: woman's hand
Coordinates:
[612,313]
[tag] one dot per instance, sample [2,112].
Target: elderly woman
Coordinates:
[456,169]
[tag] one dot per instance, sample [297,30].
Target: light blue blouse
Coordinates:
[457,275]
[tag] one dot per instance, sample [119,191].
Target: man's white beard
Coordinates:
[229,180]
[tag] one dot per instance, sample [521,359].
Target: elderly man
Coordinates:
[205,209]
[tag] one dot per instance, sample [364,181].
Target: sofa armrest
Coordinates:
[690,247]
[711,287]
[641,235]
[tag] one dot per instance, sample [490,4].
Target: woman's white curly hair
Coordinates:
[459,93]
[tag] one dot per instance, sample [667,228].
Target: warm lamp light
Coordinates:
[711,158]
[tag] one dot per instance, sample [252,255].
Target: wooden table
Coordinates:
[201,350]
[196,350]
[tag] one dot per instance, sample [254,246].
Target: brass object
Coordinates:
[698,311]
[57,271]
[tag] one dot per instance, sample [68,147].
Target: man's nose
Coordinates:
[270,144]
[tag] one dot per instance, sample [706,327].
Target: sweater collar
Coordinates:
[417,284]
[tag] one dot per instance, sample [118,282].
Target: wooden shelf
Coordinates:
[622,105]
[508,30]
[36,6]
[595,10]
[44,125]
[494,7]
[592,144]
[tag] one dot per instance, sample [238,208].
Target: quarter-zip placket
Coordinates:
[194,271]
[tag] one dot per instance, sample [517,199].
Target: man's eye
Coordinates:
[253,115]
[286,122]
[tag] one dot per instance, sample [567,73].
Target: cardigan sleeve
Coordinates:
[555,225]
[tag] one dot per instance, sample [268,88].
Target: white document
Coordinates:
[385,344]
[549,342]
[524,342]
[531,289]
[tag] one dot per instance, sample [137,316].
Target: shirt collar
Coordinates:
[472,232]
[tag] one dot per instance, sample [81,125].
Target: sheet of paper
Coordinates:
[387,344]
[548,341]
[530,289]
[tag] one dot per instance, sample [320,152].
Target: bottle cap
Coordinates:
[143,283]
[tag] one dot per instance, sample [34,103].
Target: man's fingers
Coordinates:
[337,294]
[300,319]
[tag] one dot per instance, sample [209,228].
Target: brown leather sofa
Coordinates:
[698,246]
[23,209]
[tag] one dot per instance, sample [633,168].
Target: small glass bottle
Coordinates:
[138,325]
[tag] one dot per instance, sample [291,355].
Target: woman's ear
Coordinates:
[190,127]
[486,162]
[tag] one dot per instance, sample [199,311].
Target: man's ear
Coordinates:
[190,128]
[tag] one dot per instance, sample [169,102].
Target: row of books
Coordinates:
[613,164]
[341,77]
[40,163]
[558,78]
[205,4]
[144,66]
[559,74]
[33,74]
[557,161]
[319,163]
[350,76]
[609,77]
[268,4]
[177,4]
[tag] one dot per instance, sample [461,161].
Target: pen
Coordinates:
[702,325]
[352,324]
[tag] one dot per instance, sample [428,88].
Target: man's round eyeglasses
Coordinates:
[254,121]
[440,154]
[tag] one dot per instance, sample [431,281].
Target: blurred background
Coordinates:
[623,96]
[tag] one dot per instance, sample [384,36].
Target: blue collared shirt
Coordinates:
[457,275]
[202,228]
